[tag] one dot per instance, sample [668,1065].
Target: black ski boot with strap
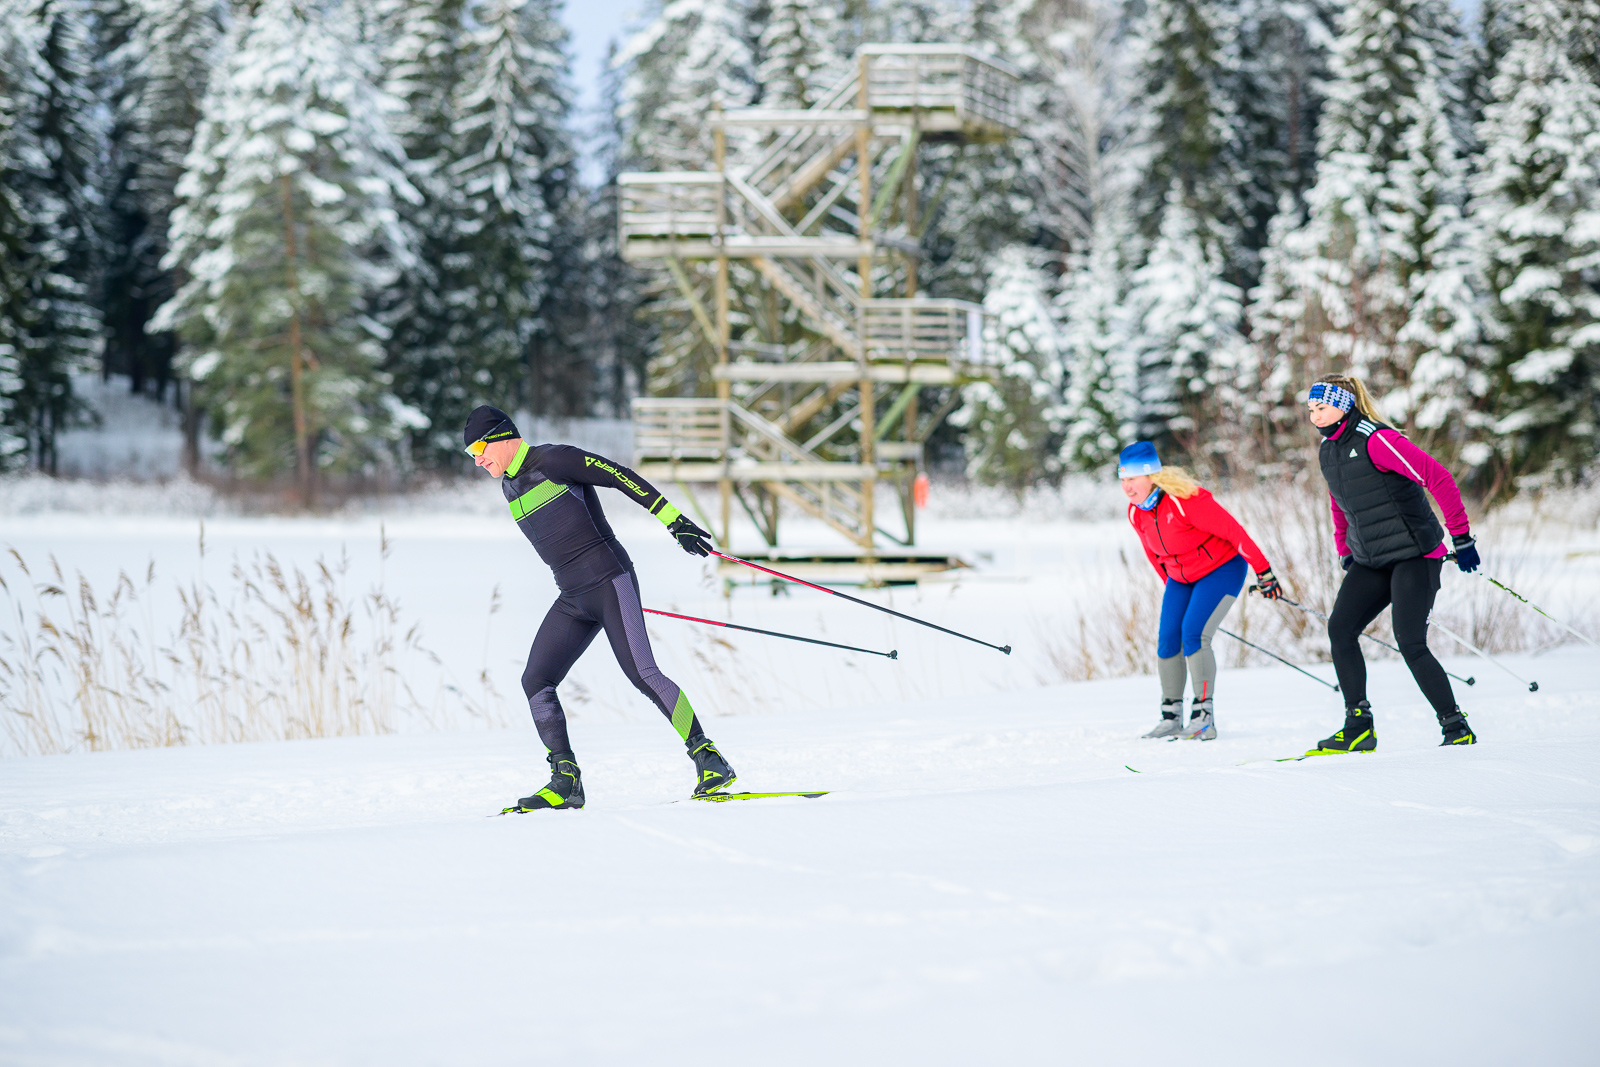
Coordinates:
[712,773]
[1456,730]
[1358,734]
[565,789]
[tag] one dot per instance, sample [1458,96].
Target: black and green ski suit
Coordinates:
[551,490]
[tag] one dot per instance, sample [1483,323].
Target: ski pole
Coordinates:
[1279,658]
[1375,640]
[891,654]
[1533,687]
[1501,585]
[864,603]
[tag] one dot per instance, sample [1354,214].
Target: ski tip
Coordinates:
[1131,769]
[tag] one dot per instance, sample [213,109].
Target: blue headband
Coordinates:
[1332,395]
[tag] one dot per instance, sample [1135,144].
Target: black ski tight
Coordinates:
[1410,586]
[569,627]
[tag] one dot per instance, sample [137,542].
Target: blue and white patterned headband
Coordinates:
[1331,394]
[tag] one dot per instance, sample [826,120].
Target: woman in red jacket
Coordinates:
[1200,551]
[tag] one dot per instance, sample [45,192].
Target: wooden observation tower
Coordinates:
[821,412]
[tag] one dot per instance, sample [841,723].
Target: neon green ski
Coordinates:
[720,797]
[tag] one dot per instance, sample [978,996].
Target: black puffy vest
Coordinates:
[1389,516]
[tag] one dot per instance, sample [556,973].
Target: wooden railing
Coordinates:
[925,330]
[670,205]
[673,429]
[942,77]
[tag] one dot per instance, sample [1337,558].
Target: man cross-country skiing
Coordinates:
[551,490]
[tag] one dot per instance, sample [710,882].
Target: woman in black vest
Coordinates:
[1392,548]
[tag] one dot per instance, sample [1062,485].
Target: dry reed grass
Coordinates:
[280,654]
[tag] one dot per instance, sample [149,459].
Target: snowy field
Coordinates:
[1002,870]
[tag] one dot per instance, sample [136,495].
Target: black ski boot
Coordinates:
[565,789]
[712,773]
[1357,735]
[1456,730]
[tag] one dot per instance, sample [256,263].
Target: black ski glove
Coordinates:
[1267,585]
[1346,561]
[1466,551]
[691,538]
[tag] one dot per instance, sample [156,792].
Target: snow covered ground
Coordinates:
[985,883]
[1002,870]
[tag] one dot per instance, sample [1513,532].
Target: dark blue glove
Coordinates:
[1466,552]
[1345,561]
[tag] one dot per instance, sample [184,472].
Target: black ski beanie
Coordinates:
[488,424]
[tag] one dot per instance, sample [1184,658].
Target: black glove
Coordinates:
[1346,561]
[691,538]
[1466,551]
[1267,585]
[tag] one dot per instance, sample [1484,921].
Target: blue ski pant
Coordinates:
[1190,615]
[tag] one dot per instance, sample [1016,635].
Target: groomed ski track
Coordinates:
[986,883]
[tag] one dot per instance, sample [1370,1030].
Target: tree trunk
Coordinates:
[297,384]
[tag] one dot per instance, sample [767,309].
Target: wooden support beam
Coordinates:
[700,315]
[833,371]
[896,409]
[774,116]
[712,471]
[813,405]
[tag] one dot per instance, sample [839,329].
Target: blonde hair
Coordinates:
[1175,481]
[1364,402]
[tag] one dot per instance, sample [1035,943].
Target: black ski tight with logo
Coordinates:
[568,628]
[1410,586]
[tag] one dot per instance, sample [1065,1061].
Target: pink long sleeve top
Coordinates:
[1390,451]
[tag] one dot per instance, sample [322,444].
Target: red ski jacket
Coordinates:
[1187,539]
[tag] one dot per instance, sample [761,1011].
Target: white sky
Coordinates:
[594,24]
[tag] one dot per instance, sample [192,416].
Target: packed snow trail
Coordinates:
[984,883]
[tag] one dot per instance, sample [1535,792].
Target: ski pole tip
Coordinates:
[1533,687]
[1472,679]
[1006,650]
[894,653]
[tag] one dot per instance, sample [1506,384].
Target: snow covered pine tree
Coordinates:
[287,231]
[1538,190]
